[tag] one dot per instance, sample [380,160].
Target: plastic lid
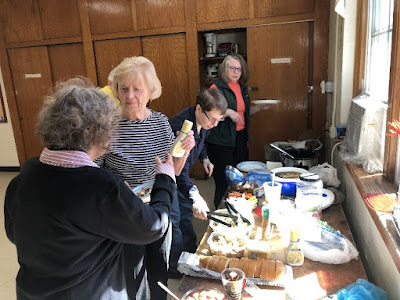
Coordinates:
[265,213]
[310,177]
[187,125]
[294,234]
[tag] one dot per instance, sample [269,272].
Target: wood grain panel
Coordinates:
[286,82]
[59,18]
[160,13]
[21,21]
[168,53]
[66,61]
[268,8]
[110,16]
[29,92]
[110,53]
[209,11]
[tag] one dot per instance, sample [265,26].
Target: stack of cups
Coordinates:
[309,194]
[272,194]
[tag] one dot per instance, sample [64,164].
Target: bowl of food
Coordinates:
[228,245]
[143,191]
[288,177]
[200,293]
[236,225]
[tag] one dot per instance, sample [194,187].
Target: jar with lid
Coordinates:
[309,194]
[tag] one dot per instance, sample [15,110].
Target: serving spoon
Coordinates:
[281,150]
[168,290]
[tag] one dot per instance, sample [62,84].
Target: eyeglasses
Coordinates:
[213,120]
[233,69]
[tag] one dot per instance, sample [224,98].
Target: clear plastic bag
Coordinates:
[334,248]
[327,173]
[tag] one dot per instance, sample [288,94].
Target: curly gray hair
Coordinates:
[76,117]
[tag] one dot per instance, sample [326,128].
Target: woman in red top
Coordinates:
[227,143]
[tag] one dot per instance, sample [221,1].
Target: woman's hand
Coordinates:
[208,167]
[188,142]
[235,117]
[200,208]
[165,167]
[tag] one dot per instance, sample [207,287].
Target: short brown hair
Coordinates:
[210,99]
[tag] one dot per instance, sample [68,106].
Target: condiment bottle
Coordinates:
[176,149]
[294,254]
[265,221]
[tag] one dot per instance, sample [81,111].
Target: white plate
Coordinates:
[247,166]
[265,102]
[328,198]
[143,186]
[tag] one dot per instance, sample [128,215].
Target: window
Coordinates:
[378,23]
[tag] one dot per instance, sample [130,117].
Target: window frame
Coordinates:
[393,112]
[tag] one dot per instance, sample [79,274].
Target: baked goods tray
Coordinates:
[189,264]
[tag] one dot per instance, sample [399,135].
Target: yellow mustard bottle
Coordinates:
[294,254]
[176,149]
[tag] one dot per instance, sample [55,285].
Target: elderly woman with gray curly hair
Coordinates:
[69,218]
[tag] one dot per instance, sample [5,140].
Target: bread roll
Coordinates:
[222,264]
[213,262]
[204,261]
[257,271]
[243,264]
[252,268]
[234,263]
[279,268]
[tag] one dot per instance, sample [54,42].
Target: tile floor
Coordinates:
[8,255]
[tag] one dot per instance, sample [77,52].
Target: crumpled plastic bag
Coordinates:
[363,290]
[327,173]
[334,248]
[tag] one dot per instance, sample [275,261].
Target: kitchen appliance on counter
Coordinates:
[211,44]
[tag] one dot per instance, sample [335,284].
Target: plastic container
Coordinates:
[294,254]
[258,249]
[309,194]
[176,149]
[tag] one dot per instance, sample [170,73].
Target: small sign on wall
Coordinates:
[281,60]
[35,75]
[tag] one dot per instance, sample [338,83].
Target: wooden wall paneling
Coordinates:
[192,50]
[209,11]
[110,16]
[21,21]
[32,81]
[66,61]
[156,14]
[360,46]
[268,8]
[391,142]
[11,101]
[87,41]
[111,52]
[286,82]
[320,68]
[168,53]
[3,117]
[59,18]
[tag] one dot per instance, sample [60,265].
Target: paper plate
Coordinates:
[144,188]
[328,198]
[381,202]
[257,102]
[247,166]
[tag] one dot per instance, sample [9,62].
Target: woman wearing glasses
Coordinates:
[209,110]
[227,142]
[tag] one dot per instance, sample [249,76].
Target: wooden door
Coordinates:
[21,21]
[110,53]
[66,61]
[209,11]
[157,14]
[110,16]
[168,53]
[278,60]
[269,8]
[59,19]
[32,81]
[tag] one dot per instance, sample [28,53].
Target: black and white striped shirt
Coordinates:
[134,145]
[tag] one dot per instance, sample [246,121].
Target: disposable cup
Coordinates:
[234,281]
[272,193]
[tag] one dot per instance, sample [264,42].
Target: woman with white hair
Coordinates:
[142,134]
